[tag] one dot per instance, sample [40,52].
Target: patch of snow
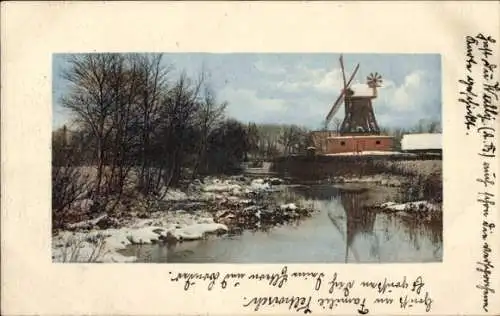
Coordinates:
[259,185]
[236,192]
[206,220]
[387,204]
[175,195]
[290,206]
[421,141]
[223,187]
[233,198]
[144,235]
[117,239]
[410,206]
[197,231]
[88,223]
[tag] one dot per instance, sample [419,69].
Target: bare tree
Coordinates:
[210,114]
[92,100]
[292,138]
[179,108]
[152,85]
[69,183]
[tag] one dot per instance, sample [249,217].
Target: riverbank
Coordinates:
[338,231]
[210,206]
[231,205]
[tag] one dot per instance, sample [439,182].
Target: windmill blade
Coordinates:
[335,107]
[352,76]
[343,72]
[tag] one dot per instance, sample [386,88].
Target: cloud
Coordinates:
[304,95]
[269,68]
[329,81]
[407,96]
[246,105]
[320,81]
[414,98]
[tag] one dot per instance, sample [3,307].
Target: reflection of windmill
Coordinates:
[359,115]
[357,221]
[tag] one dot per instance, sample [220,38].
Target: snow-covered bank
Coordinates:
[421,210]
[382,179]
[103,245]
[211,206]
[418,206]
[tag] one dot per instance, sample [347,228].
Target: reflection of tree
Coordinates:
[417,229]
[360,223]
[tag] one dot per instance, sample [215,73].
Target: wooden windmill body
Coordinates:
[359,130]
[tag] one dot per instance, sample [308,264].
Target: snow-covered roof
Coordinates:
[421,141]
[361,90]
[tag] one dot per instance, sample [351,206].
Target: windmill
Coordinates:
[359,115]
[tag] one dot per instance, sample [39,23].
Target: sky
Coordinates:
[300,88]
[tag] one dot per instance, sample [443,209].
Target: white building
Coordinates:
[422,142]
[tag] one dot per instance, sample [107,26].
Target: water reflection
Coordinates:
[359,223]
[343,230]
[372,236]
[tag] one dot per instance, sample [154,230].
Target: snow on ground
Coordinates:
[289,206]
[381,179]
[175,195]
[95,246]
[221,187]
[259,184]
[89,223]
[197,231]
[410,206]
[90,244]
[102,245]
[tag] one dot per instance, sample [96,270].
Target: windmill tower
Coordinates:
[359,130]
[359,116]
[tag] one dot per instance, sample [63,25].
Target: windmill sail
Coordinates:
[335,107]
[343,72]
[337,103]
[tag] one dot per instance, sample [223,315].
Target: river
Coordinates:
[338,232]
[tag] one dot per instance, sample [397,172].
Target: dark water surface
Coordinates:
[339,232]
